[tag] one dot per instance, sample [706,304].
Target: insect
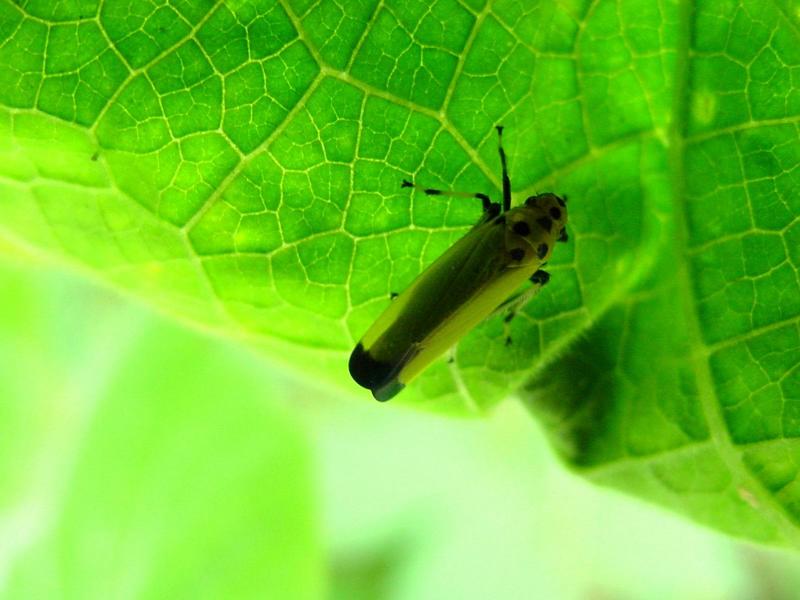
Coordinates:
[472,280]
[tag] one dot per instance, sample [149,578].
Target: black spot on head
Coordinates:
[555,213]
[562,202]
[541,251]
[545,223]
[521,228]
[432,192]
[518,254]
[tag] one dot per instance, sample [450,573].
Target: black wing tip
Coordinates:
[376,376]
[388,391]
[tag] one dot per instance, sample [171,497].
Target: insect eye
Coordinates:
[521,228]
[555,213]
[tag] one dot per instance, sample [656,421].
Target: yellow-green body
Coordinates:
[460,289]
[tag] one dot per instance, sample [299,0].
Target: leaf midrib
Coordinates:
[710,404]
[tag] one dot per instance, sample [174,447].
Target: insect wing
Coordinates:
[459,290]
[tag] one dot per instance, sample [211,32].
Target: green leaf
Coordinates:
[238,164]
[128,465]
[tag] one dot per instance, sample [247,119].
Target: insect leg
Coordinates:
[486,202]
[451,355]
[540,277]
[507,324]
[514,304]
[506,179]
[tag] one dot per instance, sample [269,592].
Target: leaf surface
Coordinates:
[238,164]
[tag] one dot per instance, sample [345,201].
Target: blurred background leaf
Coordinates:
[141,461]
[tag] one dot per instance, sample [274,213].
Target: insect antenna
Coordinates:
[506,179]
[486,202]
